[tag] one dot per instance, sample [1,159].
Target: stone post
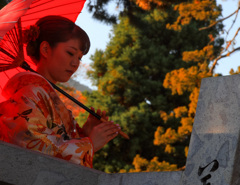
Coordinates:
[214,152]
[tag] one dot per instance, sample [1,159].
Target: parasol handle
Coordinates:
[27,67]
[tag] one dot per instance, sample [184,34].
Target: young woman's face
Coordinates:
[62,61]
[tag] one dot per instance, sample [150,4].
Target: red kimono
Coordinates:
[35,118]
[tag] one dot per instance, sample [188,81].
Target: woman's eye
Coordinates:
[70,53]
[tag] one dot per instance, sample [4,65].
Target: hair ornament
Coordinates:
[31,33]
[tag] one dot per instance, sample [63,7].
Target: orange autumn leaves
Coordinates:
[200,10]
[143,165]
[146,4]
[76,110]
[180,81]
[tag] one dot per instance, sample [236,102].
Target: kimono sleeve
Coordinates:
[30,119]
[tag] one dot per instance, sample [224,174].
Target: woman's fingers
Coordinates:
[104,115]
[107,128]
[110,131]
[101,113]
[92,109]
[112,136]
[103,133]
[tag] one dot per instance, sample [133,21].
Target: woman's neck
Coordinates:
[42,71]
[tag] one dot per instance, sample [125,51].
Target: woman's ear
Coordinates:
[45,49]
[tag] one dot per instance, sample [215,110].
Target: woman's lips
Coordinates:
[70,72]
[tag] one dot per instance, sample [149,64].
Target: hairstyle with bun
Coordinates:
[54,29]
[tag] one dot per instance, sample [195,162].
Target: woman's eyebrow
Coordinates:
[73,47]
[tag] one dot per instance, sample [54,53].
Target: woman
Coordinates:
[33,116]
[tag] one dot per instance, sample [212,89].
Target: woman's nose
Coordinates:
[75,62]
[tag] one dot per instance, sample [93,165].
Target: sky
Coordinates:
[99,36]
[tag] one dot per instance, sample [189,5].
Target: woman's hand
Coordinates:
[92,121]
[103,133]
[99,131]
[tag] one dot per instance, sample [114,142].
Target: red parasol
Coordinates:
[14,18]
[29,11]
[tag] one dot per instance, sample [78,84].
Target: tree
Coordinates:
[130,77]
[2,4]
[188,80]
[100,8]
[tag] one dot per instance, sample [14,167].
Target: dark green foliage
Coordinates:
[2,3]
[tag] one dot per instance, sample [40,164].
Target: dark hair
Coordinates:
[55,29]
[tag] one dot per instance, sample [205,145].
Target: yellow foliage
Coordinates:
[180,111]
[232,72]
[170,134]
[198,10]
[186,127]
[170,149]
[207,53]
[157,136]
[194,99]
[123,171]
[176,113]
[186,151]
[169,137]
[181,80]
[146,4]
[173,26]
[143,165]
[155,165]
[160,130]
[139,164]
[165,116]
[158,15]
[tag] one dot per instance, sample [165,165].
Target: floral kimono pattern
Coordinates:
[35,118]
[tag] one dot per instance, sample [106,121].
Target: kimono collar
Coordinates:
[24,79]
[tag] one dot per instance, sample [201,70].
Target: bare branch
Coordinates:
[220,57]
[232,25]
[234,36]
[224,50]
[221,20]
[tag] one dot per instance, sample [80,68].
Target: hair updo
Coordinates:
[55,29]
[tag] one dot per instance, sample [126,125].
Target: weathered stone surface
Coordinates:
[142,178]
[213,156]
[19,166]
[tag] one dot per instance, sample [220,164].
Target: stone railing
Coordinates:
[213,157]
[20,166]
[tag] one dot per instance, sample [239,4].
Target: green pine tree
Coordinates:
[129,75]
